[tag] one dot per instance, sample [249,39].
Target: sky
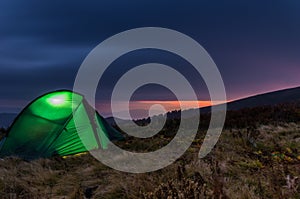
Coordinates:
[254,43]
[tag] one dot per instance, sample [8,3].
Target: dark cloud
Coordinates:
[255,44]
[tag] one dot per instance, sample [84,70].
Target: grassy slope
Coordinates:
[261,162]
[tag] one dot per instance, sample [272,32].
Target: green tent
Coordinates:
[46,128]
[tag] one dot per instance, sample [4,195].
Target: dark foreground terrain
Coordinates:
[257,156]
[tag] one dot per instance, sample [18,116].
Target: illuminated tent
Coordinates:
[46,127]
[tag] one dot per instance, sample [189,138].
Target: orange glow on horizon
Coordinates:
[174,104]
[139,109]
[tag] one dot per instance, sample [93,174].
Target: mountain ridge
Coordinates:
[288,95]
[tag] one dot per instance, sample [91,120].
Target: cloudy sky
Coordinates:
[255,44]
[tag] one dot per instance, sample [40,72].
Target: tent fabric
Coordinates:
[46,127]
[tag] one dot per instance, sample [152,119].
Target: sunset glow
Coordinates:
[172,105]
[140,109]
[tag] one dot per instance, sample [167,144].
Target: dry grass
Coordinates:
[257,163]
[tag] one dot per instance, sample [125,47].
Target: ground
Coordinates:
[259,163]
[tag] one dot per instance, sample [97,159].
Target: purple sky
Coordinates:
[255,44]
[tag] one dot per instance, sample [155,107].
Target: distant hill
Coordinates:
[272,98]
[265,99]
[6,119]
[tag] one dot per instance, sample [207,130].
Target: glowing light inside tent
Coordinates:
[57,100]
